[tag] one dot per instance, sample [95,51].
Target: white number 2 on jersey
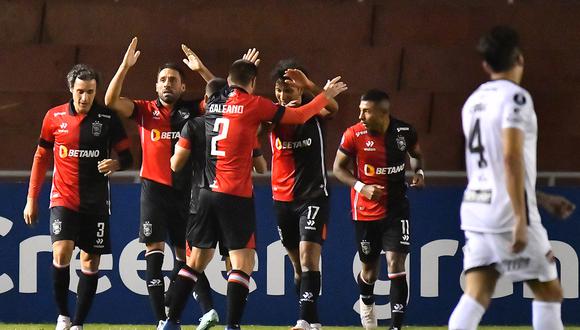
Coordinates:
[225,122]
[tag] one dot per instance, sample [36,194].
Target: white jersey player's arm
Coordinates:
[513,155]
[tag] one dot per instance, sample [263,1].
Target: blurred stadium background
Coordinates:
[421,52]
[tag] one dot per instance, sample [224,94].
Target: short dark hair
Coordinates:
[82,72]
[215,85]
[242,72]
[375,95]
[280,69]
[500,48]
[172,66]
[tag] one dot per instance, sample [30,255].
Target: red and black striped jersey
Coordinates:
[298,165]
[232,117]
[79,142]
[159,129]
[379,159]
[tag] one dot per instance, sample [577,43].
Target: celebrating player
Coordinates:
[226,210]
[377,149]
[79,134]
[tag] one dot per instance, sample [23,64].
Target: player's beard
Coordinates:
[168,98]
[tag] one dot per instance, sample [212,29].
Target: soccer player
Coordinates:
[226,209]
[192,144]
[377,149]
[164,194]
[299,186]
[499,213]
[79,135]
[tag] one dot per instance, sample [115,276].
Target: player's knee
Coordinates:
[397,265]
[155,246]
[369,276]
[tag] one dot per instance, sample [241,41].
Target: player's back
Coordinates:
[231,122]
[493,107]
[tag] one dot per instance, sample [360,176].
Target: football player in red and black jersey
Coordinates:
[164,194]
[300,186]
[79,135]
[377,149]
[226,210]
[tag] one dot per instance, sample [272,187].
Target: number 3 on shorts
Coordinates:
[225,122]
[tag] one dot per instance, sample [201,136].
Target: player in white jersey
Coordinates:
[499,213]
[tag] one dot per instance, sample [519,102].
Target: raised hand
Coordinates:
[334,87]
[252,56]
[131,55]
[297,79]
[192,61]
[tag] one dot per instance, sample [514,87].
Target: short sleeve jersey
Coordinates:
[79,142]
[159,129]
[298,164]
[493,107]
[231,122]
[379,159]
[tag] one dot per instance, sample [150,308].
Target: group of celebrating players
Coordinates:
[196,186]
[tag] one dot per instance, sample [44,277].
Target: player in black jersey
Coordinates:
[299,186]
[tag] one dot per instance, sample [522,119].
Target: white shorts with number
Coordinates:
[535,262]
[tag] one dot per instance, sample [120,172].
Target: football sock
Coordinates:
[202,293]
[177,265]
[182,287]
[86,290]
[399,293]
[155,282]
[367,294]
[547,315]
[60,283]
[466,315]
[238,288]
[309,291]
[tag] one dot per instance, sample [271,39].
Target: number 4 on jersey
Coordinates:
[474,144]
[225,123]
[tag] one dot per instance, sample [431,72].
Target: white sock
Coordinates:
[547,315]
[466,315]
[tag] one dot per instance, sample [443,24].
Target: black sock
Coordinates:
[309,291]
[367,291]
[182,287]
[238,289]
[60,282]
[85,293]
[155,282]
[202,293]
[177,265]
[297,284]
[399,293]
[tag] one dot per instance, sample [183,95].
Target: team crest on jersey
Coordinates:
[520,99]
[365,247]
[147,229]
[56,226]
[183,114]
[401,143]
[97,128]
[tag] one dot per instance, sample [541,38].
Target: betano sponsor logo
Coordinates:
[157,135]
[372,171]
[64,152]
[285,145]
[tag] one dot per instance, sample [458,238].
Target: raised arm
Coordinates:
[195,64]
[123,106]
[513,147]
[298,79]
[301,114]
